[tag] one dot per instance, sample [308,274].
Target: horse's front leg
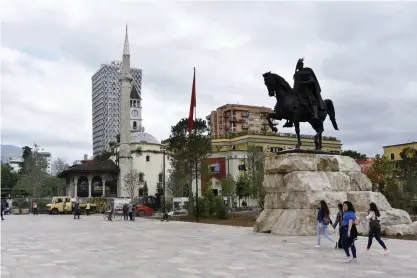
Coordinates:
[297,131]
[271,124]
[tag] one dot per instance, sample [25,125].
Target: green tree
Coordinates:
[187,150]
[381,172]
[8,178]
[354,154]
[159,189]
[242,187]
[32,177]
[143,191]
[103,156]
[228,185]
[407,172]
[26,155]
[255,167]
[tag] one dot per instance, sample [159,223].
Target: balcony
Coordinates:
[245,114]
[232,119]
[245,126]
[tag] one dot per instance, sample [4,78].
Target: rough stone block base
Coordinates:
[295,183]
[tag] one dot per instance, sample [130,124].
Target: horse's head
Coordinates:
[270,83]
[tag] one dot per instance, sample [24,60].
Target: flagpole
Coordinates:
[196,160]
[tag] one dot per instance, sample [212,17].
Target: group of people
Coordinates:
[128,212]
[347,221]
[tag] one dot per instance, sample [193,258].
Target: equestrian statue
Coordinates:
[303,103]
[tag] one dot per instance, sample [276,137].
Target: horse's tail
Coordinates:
[331,112]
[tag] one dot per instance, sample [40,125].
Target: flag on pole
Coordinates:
[192,107]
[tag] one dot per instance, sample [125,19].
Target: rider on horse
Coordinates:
[308,89]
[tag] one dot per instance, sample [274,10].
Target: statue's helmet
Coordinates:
[300,64]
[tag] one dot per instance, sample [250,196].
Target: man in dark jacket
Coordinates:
[3,208]
[76,209]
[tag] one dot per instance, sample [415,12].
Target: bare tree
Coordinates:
[132,182]
[59,165]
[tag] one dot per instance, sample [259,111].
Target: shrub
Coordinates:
[221,209]
[23,204]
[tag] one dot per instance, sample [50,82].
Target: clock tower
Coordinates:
[135,111]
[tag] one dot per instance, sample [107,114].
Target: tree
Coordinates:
[59,165]
[131,180]
[381,172]
[143,191]
[228,188]
[407,172]
[159,190]
[187,150]
[354,154]
[255,168]
[242,187]
[8,178]
[176,180]
[103,156]
[32,175]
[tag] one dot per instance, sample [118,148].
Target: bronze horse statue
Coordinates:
[291,106]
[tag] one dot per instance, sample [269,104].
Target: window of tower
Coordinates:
[148,158]
[134,125]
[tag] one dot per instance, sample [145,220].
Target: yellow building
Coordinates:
[393,151]
[272,142]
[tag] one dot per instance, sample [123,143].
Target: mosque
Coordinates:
[137,150]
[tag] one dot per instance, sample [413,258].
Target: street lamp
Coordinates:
[163,149]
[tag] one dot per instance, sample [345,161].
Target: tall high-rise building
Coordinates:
[106,87]
[238,118]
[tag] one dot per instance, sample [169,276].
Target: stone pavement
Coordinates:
[57,246]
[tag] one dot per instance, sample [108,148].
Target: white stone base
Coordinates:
[295,183]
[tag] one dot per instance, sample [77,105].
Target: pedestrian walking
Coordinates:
[339,220]
[125,212]
[323,221]
[374,228]
[350,233]
[76,209]
[35,207]
[87,208]
[3,208]
[111,210]
[130,210]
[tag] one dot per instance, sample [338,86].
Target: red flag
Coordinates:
[192,107]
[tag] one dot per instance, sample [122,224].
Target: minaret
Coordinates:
[125,157]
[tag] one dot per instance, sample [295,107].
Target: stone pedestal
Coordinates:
[295,183]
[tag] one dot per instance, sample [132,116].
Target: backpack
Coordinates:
[374,225]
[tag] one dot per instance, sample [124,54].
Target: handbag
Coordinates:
[326,220]
[374,225]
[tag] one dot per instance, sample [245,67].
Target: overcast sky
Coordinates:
[364,56]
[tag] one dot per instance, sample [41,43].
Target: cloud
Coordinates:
[363,54]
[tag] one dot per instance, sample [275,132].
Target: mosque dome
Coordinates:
[143,137]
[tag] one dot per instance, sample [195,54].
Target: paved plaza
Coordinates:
[57,246]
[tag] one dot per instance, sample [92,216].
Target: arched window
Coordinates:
[134,125]
[141,176]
